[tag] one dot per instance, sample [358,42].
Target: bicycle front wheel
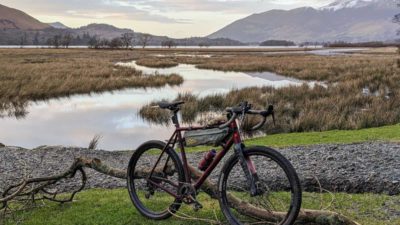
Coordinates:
[279,198]
[153,195]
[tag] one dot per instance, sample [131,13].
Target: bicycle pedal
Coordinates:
[197,206]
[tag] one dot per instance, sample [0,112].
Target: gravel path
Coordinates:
[355,168]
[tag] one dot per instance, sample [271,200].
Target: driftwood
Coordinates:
[39,191]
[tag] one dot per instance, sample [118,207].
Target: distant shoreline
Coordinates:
[177,47]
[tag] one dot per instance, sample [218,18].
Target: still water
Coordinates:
[73,121]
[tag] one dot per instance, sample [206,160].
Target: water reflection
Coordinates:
[337,51]
[15,109]
[74,120]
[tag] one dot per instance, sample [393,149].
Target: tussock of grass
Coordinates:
[157,62]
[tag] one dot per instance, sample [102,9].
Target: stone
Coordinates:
[359,168]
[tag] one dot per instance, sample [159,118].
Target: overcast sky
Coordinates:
[175,18]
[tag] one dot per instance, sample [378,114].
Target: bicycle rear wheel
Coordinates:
[147,193]
[280,198]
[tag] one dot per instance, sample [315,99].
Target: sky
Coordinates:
[174,18]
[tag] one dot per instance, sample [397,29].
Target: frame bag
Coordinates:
[212,136]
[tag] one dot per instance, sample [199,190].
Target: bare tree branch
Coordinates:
[20,190]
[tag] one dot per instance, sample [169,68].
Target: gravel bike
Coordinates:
[256,185]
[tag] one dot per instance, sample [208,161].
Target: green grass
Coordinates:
[98,207]
[385,133]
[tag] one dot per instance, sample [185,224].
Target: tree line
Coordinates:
[126,40]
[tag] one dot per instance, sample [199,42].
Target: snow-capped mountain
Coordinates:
[337,5]
[342,20]
[343,4]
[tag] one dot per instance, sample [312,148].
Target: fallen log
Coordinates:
[21,190]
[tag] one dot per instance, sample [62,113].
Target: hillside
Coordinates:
[13,19]
[102,30]
[345,20]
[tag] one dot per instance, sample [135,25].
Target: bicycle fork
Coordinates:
[249,171]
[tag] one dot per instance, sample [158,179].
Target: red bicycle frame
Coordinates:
[177,137]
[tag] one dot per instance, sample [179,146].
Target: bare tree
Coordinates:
[57,41]
[66,40]
[54,41]
[116,43]
[94,42]
[36,39]
[168,43]
[144,40]
[23,39]
[104,43]
[127,39]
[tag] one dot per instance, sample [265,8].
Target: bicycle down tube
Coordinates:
[177,137]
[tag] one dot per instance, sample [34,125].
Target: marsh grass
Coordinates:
[340,105]
[37,74]
[94,142]
[157,62]
[40,74]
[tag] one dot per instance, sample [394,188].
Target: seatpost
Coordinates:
[174,118]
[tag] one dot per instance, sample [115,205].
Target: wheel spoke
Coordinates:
[275,203]
[154,180]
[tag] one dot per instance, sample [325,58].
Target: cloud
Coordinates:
[176,18]
[95,9]
[222,6]
[162,11]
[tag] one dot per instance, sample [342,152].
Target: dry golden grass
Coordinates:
[342,105]
[157,62]
[32,74]
[307,67]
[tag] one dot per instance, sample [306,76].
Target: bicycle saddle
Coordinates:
[170,105]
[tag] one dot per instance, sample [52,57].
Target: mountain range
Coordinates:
[343,20]
[19,28]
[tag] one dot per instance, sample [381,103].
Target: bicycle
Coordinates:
[159,181]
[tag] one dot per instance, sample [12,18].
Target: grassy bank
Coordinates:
[385,133]
[97,207]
